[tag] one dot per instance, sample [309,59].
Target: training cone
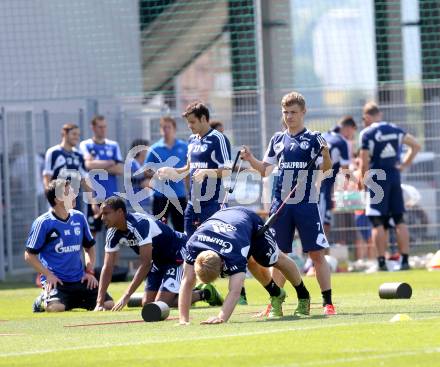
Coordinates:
[155,311]
[395,291]
[135,300]
[434,264]
[400,317]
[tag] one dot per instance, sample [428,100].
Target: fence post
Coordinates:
[7,193]
[2,238]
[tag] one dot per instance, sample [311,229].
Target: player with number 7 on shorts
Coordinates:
[291,150]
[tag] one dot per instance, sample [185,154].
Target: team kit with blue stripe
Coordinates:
[291,153]
[384,144]
[168,249]
[211,151]
[340,154]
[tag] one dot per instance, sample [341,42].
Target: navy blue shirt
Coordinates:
[229,233]
[211,151]
[144,230]
[384,144]
[159,152]
[109,150]
[59,243]
[292,153]
[60,163]
[340,154]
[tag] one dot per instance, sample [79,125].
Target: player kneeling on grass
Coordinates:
[161,251]
[227,242]
[54,249]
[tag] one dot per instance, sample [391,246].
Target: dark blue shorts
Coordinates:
[363,225]
[306,219]
[193,220]
[165,278]
[392,200]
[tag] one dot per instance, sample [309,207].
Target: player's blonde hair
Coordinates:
[293,98]
[371,108]
[208,266]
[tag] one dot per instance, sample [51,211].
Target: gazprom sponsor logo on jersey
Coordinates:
[223,227]
[304,145]
[226,246]
[61,249]
[126,242]
[384,137]
[388,152]
[197,165]
[293,165]
[278,147]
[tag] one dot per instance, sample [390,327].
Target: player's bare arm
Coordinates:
[105,279]
[236,283]
[264,168]
[414,148]
[145,257]
[185,293]
[34,261]
[89,261]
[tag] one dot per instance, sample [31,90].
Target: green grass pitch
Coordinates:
[360,335]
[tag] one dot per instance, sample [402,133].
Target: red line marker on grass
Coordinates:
[114,322]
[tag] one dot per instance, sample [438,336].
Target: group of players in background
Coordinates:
[212,240]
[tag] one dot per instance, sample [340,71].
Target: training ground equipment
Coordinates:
[155,311]
[400,317]
[395,291]
[274,216]
[231,189]
[135,300]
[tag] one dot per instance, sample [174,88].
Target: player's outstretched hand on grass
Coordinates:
[92,282]
[121,303]
[213,320]
[99,308]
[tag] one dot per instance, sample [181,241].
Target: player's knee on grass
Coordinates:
[108,305]
[208,266]
[55,307]
[168,297]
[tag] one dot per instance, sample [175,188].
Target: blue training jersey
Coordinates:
[109,150]
[59,243]
[384,144]
[229,233]
[211,151]
[61,163]
[292,153]
[340,154]
[158,154]
[142,230]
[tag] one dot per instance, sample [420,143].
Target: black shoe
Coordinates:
[38,306]
[405,266]
[383,267]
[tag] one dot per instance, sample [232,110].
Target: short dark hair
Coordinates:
[69,127]
[347,121]
[169,119]
[115,202]
[137,142]
[215,124]
[96,119]
[53,187]
[198,109]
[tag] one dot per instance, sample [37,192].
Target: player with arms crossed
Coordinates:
[54,249]
[381,145]
[227,242]
[161,252]
[292,149]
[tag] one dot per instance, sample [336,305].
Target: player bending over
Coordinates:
[227,242]
[160,249]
